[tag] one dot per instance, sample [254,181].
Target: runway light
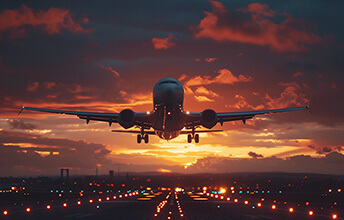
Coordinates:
[310,212]
[99,200]
[235,200]
[291,210]
[79,202]
[48,207]
[28,209]
[334,216]
[108,198]
[259,204]
[246,202]
[5,212]
[64,204]
[228,198]
[273,207]
[91,201]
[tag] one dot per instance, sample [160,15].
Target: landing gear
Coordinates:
[195,137]
[144,137]
[139,138]
[189,138]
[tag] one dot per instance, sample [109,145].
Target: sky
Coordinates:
[229,55]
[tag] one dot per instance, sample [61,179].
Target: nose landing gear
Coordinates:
[144,137]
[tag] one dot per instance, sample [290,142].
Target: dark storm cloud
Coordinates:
[254,154]
[35,154]
[332,163]
[20,124]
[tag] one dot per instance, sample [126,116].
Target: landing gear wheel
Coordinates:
[146,138]
[139,138]
[189,138]
[196,138]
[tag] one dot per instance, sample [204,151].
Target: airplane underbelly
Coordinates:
[167,135]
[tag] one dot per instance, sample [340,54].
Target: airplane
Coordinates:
[168,118]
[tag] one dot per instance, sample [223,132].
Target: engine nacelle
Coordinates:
[209,118]
[127,118]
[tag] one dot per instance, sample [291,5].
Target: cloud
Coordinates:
[242,103]
[17,22]
[19,124]
[163,43]
[332,163]
[297,74]
[115,73]
[291,96]
[325,149]
[35,154]
[210,59]
[204,91]
[32,86]
[260,28]
[254,155]
[225,77]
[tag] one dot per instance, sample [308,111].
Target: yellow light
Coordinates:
[334,216]
[222,190]
[216,196]
[5,212]
[79,203]
[148,188]
[148,112]
[235,200]
[108,198]
[48,207]
[64,204]
[259,204]
[91,200]
[310,212]
[204,188]
[246,202]
[28,209]
[228,198]
[291,210]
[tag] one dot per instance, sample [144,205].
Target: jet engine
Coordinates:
[209,118]
[126,118]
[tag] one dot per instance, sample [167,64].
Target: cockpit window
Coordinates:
[168,81]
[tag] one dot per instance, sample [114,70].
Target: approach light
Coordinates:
[291,210]
[310,212]
[246,202]
[259,204]
[64,204]
[5,212]
[48,207]
[28,209]
[235,200]
[91,201]
[273,207]
[79,202]
[334,216]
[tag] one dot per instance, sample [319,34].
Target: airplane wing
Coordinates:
[194,118]
[233,116]
[141,117]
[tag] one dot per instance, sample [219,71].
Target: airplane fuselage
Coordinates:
[168,117]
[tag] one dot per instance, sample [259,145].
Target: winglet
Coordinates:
[309,102]
[22,108]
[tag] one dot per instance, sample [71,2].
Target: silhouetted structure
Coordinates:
[111,175]
[67,173]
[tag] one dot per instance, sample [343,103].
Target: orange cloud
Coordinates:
[291,96]
[210,59]
[32,86]
[225,77]
[204,91]
[52,21]
[116,74]
[289,35]
[163,43]
[242,103]
[297,74]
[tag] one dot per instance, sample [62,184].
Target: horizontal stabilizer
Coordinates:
[133,132]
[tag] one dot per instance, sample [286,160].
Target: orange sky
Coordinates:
[229,57]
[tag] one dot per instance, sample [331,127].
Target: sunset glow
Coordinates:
[230,57]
